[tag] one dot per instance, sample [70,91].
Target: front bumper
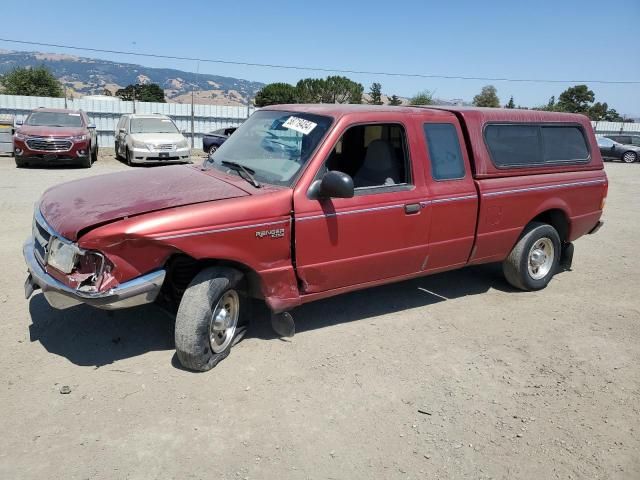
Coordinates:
[144,155]
[78,151]
[138,291]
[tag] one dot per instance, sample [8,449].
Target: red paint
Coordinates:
[53,131]
[139,219]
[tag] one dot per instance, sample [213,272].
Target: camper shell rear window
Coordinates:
[518,145]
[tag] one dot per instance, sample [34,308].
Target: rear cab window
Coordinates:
[533,145]
[444,151]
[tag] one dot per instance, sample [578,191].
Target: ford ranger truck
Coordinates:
[304,202]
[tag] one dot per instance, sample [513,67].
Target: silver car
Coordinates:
[150,139]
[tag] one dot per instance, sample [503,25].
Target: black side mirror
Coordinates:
[334,184]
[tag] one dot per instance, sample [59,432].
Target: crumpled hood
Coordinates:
[46,131]
[75,206]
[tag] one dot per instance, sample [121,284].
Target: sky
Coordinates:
[562,39]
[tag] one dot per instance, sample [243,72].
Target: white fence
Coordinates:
[604,128]
[105,113]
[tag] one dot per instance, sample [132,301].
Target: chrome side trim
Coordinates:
[543,187]
[454,199]
[349,212]
[219,230]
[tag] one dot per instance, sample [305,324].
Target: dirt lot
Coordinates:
[513,385]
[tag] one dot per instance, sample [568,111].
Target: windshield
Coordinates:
[54,119]
[273,144]
[153,125]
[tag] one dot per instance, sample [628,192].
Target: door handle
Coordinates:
[412,208]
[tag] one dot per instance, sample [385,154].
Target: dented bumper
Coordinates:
[138,291]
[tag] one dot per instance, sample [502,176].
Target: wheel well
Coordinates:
[557,219]
[181,269]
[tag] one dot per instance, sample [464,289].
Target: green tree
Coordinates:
[576,99]
[333,89]
[601,112]
[511,103]
[375,94]
[33,82]
[340,89]
[488,97]
[149,92]
[395,100]
[424,97]
[310,90]
[276,94]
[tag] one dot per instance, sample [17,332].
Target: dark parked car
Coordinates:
[212,140]
[617,151]
[625,139]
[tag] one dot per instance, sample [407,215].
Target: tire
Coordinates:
[86,161]
[94,155]
[629,157]
[115,147]
[198,346]
[519,267]
[129,157]
[212,149]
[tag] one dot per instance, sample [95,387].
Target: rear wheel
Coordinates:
[629,157]
[212,317]
[534,259]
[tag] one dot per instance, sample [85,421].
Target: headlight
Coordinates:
[79,138]
[182,143]
[19,136]
[139,144]
[62,256]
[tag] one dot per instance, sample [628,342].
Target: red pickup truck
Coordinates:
[308,201]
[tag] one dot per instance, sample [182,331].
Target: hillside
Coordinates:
[90,76]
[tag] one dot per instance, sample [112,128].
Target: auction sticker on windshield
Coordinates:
[300,125]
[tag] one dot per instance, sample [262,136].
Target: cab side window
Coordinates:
[444,151]
[373,155]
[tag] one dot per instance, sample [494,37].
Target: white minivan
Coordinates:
[150,138]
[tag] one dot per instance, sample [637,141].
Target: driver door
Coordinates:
[380,233]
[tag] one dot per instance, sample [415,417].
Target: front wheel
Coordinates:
[129,156]
[534,259]
[629,157]
[212,317]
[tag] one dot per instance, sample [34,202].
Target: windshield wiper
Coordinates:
[244,172]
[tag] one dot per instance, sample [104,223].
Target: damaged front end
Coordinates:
[69,275]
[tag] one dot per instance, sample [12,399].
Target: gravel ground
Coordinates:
[473,381]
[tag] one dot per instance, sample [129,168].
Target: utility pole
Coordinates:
[65,97]
[134,96]
[193,134]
